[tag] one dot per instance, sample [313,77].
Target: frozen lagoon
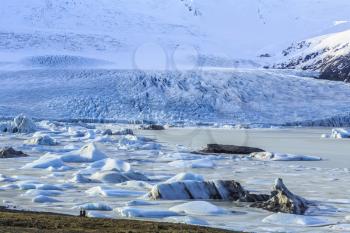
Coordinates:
[323,181]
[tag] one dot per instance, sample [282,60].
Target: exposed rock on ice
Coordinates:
[96,206]
[44,199]
[42,139]
[198,208]
[199,163]
[185,177]
[282,157]
[9,152]
[132,212]
[229,149]
[295,220]
[107,132]
[282,200]
[106,192]
[204,190]
[87,154]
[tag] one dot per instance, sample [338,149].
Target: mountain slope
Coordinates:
[328,54]
[219,33]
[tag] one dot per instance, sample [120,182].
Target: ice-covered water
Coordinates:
[148,162]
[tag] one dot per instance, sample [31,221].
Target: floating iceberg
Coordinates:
[111,165]
[340,133]
[44,199]
[96,206]
[296,220]
[42,139]
[198,208]
[105,192]
[117,177]
[185,177]
[131,212]
[87,154]
[46,161]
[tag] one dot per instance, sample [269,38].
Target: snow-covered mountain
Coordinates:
[329,54]
[161,34]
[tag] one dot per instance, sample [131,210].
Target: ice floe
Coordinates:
[4,178]
[98,214]
[107,192]
[340,227]
[132,212]
[337,133]
[270,156]
[117,177]
[75,132]
[44,199]
[296,220]
[23,124]
[198,163]
[41,139]
[47,161]
[198,208]
[135,184]
[96,206]
[139,203]
[49,193]
[87,154]
[111,165]
[185,176]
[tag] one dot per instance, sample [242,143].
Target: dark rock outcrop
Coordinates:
[282,200]
[107,132]
[228,149]
[9,152]
[338,69]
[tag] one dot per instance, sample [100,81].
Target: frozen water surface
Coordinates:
[144,163]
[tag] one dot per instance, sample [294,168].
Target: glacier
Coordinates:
[250,96]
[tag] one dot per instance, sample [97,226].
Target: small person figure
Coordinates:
[82,212]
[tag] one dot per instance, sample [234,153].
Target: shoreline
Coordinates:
[48,222]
